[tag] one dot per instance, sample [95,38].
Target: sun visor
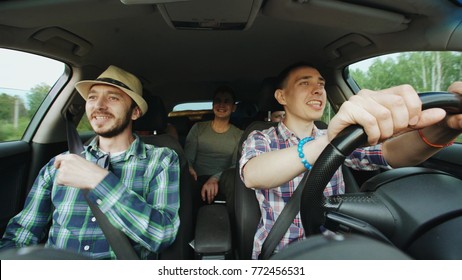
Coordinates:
[353,17]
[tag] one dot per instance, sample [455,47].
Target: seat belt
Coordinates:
[282,223]
[116,238]
[288,214]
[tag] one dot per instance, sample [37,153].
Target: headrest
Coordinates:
[245,111]
[267,102]
[155,119]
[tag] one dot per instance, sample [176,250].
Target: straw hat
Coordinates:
[114,76]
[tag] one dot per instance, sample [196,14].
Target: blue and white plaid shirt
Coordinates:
[140,196]
[272,201]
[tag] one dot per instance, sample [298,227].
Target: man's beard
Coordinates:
[115,131]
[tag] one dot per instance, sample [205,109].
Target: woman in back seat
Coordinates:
[211,148]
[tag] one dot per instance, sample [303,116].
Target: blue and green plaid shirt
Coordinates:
[140,196]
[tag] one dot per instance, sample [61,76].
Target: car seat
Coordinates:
[245,113]
[266,102]
[246,210]
[155,120]
[182,124]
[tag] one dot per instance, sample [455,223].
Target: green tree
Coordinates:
[8,105]
[14,116]
[9,133]
[328,114]
[425,71]
[36,96]
[84,125]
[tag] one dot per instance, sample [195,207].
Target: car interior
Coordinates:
[182,50]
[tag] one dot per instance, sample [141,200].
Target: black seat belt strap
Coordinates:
[282,223]
[116,238]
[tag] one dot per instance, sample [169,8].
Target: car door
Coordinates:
[28,86]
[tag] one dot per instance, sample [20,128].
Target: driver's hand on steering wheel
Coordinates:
[455,121]
[384,113]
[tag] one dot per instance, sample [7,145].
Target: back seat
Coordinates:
[151,128]
[182,124]
[246,112]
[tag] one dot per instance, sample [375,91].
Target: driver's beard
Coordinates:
[117,129]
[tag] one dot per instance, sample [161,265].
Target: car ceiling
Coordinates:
[142,38]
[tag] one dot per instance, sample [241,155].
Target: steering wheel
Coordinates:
[395,205]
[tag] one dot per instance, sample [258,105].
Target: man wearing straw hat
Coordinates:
[139,192]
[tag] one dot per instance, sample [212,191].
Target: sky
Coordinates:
[23,71]
[365,64]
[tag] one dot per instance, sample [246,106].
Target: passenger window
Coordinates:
[84,125]
[425,71]
[25,80]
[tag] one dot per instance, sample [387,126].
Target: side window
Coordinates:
[25,80]
[425,71]
[328,114]
[84,125]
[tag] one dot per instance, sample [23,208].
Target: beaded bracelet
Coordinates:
[301,154]
[431,144]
